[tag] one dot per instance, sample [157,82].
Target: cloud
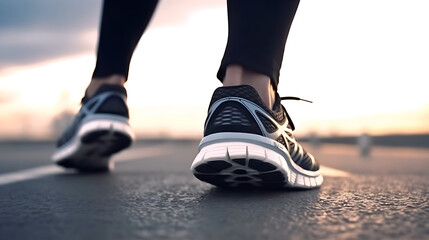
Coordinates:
[39,30]
[26,47]
[170,12]
[49,14]
[7,97]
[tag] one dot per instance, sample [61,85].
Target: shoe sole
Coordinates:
[95,143]
[238,163]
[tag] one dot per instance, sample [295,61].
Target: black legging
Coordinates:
[257,34]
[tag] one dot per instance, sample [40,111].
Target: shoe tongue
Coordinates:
[106,88]
[277,107]
[277,103]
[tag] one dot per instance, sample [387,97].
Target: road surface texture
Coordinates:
[153,195]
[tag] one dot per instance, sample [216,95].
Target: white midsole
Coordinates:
[114,125]
[229,140]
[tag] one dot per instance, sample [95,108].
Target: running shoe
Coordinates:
[99,130]
[247,144]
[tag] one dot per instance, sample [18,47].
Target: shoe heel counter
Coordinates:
[231,116]
[114,105]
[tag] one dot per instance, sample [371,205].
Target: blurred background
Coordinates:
[364,64]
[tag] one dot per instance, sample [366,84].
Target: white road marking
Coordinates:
[28,174]
[39,172]
[130,155]
[333,172]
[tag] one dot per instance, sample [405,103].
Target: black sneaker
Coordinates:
[99,130]
[247,144]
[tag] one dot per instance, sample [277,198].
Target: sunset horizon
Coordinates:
[361,75]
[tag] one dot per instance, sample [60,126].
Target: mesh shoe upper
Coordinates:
[109,99]
[240,109]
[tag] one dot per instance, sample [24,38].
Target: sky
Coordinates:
[364,64]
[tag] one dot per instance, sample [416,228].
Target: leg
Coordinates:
[256,41]
[101,127]
[248,139]
[237,75]
[122,25]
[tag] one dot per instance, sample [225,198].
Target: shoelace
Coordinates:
[292,126]
[295,98]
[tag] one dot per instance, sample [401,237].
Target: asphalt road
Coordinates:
[152,195]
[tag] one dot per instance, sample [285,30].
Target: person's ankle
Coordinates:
[97,82]
[236,75]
